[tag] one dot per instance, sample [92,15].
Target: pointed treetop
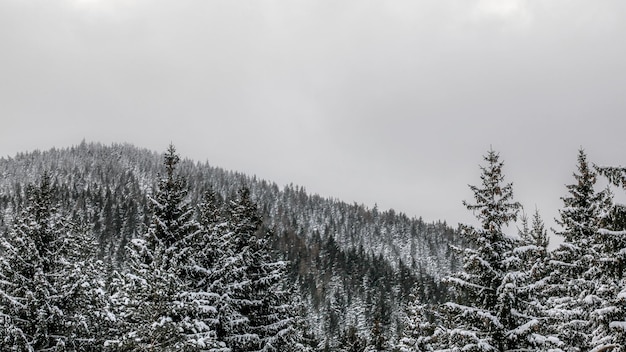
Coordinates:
[171,210]
[584,209]
[494,205]
[585,174]
[210,208]
[171,159]
[244,208]
[539,234]
[40,198]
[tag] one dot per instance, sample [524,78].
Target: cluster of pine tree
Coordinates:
[512,294]
[198,279]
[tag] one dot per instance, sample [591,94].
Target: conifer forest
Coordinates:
[117,248]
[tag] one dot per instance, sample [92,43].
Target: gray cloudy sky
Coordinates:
[388,102]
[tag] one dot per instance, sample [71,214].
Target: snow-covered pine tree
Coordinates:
[419,330]
[205,274]
[574,285]
[160,310]
[28,295]
[481,316]
[227,277]
[608,319]
[254,313]
[51,295]
[528,264]
[213,224]
[84,282]
[611,318]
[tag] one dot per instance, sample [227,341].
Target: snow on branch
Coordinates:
[464,283]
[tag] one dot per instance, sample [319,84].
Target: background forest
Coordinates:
[119,248]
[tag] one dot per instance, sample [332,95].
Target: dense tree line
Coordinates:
[339,257]
[189,283]
[103,249]
[512,294]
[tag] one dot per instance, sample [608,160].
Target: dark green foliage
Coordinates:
[584,209]
[160,308]
[576,266]
[104,191]
[251,284]
[50,293]
[610,320]
[483,310]
[256,268]
[171,213]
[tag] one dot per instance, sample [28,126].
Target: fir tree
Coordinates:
[51,297]
[610,319]
[228,277]
[584,209]
[160,307]
[482,314]
[205,274]
[575,272]
[527,265]
[421,332]
[254,310]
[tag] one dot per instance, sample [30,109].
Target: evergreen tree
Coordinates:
[51,297]
[575,272]
[610,319]
[160,309]
[228,279]
[379,335]
[421,332]
[254,311]
[206,275]
[527,266]
[584,209]
[482,314]
[83,283]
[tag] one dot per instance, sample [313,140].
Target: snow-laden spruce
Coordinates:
[610,318]
[254,310]
[480,316]
[51,292]
[577,273]
[488,312]
[159,305]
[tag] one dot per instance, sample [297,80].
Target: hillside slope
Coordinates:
[355,267]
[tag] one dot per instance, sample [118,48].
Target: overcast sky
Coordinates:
[388,102]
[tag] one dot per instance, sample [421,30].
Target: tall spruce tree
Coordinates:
[160,306]
[228,276]
[528,267]
[206,274]
[254,311]
[481,315]
[51,295]
[574,284]
[610,319]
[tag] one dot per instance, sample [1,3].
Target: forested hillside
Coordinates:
[352,269]
[118,248]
